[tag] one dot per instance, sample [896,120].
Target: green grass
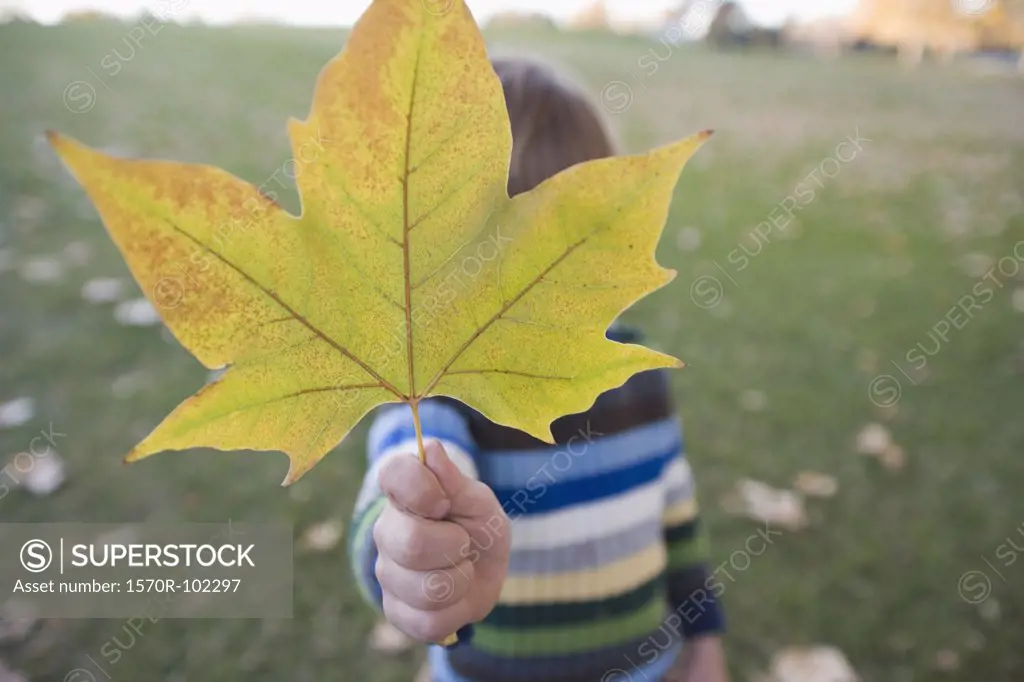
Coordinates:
[873,263]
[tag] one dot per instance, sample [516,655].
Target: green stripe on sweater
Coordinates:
[565,640]
[361,534]
[684,553]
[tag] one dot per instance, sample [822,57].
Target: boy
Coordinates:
[578,562]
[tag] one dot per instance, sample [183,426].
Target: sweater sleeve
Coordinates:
[392,433]
[690,590]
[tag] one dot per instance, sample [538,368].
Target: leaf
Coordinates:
[815,484]
[409,272]
[765,504]
[873,439]
[812,664]
[322,536]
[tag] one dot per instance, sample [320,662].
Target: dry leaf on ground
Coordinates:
[815,484]
[40,475]
[323,536]
[893,459]
[812,664]
[136,313]
[102,290]
[42,270]
[16,412]
[763,503]
[873,439]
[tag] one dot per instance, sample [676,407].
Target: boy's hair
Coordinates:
[554,125]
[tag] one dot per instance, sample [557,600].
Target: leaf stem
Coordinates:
[415,405]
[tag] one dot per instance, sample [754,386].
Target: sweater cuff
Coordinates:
[693,599]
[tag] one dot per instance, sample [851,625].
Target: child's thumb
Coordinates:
[448,474]
[470,499]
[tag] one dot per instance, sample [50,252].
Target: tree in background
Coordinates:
[594,17]
[945,27]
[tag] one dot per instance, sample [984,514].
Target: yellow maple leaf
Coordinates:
[409,273]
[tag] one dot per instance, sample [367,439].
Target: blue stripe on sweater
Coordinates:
[520,500]
[395,425]
[598,455]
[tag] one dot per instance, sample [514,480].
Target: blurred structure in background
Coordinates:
[918,27]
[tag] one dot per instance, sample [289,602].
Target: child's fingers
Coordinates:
[413,487]
[425,590]
[426,626]
[416,543]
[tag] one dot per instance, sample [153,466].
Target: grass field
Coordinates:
[784,348]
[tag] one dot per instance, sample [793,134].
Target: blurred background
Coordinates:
[850,303]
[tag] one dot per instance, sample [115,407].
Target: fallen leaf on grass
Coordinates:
[812,664]
[78,253]
[990,610]
[42,270]
[763,503]
[30,208]
[873,439]
[16,412]
[893,459]
[322,536]
[41,475]
[102,290]
[977,264]
[814,484]
[136,313]
[387,639]
[688,239]
[128,384]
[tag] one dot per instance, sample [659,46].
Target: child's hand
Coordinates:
[702,660]
[443,543]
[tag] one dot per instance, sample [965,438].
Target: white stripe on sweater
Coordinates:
[589,520]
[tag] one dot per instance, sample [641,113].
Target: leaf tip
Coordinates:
[57,141]
[706,133]
[296,470]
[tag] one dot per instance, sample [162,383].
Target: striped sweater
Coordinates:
[607,570]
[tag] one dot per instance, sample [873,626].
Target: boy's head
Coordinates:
[554,125]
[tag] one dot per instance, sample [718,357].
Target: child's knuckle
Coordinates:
[413,544]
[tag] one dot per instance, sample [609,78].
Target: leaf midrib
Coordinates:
[406,227]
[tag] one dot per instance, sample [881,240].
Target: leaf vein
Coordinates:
[382,382]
